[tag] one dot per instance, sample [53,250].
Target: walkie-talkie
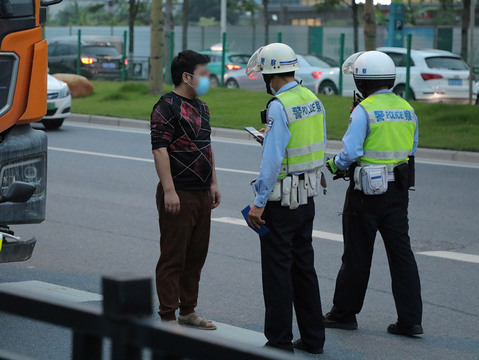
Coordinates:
[356,100]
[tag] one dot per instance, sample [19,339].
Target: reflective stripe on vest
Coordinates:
[305,150]
[392,124]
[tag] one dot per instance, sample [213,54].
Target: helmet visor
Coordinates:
[348,65]
[254,66]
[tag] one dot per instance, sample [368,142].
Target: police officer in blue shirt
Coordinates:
[293,153]
[381,137]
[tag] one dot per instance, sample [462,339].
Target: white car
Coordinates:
[435,76]
[318,74]
[59,103]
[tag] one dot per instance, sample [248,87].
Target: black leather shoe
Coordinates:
[331,323]
[406,330]
[287,349]
[298,344]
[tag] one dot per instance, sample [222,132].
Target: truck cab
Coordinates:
[23,100]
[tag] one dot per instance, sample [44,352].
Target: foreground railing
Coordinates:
[126,320]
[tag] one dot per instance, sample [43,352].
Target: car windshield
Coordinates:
[445,62]
[101,50]
[315,61]
[239,59]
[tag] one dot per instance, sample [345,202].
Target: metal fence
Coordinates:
[126,320]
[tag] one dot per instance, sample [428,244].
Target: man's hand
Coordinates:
[172,202]
[215,196]
[333,169]
[254,217]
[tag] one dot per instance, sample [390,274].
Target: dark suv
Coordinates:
[99,58]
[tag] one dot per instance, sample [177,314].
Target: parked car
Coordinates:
[100,56]
[59,102]
[436,75]
[234,61]
[315,73]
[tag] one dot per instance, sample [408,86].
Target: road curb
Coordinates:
[333,145]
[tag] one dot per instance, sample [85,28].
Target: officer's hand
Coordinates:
[333,169]
[254,217]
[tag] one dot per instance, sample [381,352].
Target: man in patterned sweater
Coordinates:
[188,189]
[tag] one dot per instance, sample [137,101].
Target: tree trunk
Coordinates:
[266,22]
[354,7]
[168,28]
[369,26]
[156,48]
[133,10]
[465,26]
[184,37]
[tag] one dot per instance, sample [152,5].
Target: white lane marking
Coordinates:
[316,233]
[452,256]
[60,292]
[254,143]
[113,156]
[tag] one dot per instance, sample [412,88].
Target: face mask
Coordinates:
[267,79]
[203,85]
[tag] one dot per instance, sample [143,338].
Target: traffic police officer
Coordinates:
[382,135]
[293,153]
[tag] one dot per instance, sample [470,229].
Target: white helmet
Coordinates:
[370,65]
[274,58]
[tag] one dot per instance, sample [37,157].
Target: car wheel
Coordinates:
[52,124]
[232,84]
[214,82]
[400,90]
[327,88]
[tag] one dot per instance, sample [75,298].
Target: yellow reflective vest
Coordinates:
[305,114]
[392,124]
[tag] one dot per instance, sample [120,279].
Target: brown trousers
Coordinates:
[184,245]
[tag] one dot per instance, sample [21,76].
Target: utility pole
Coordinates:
[156,48]
[369,26]
[168,31]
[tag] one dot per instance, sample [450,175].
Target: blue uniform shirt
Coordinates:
[357,133]
[274,147]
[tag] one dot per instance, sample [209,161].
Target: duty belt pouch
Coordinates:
[374,179]
[294,204]
[357,178]
[303,191]
[286,191]
[276,193]
[311,179]
[401,175]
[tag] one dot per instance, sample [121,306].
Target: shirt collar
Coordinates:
[382,91]
[287,86]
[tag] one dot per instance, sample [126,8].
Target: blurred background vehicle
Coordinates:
[436,75]
[233,61]
[59,102]
[318,74]
[100,56]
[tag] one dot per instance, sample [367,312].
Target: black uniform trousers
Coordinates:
[289,277]
[363,216]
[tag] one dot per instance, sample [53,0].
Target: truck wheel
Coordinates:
[52,124]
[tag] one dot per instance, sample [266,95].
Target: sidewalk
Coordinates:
[436,155]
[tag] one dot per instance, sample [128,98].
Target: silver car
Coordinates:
[318,74]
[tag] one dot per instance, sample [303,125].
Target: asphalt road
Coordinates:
[102,219]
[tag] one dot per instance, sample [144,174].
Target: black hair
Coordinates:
[368,87]
[186,61]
